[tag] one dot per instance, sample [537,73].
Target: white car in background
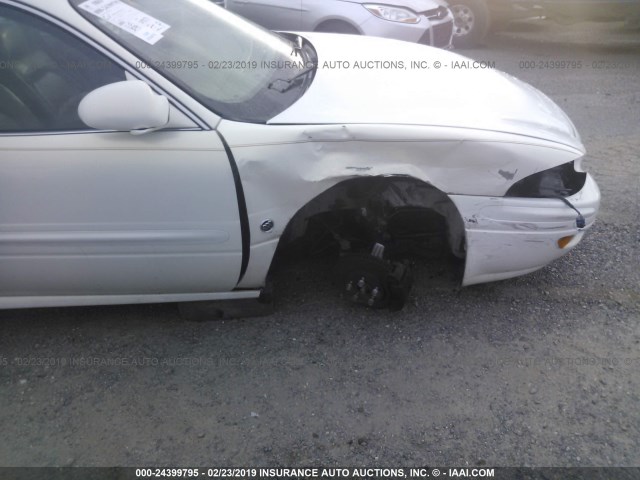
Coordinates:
[428,22]
[162,151]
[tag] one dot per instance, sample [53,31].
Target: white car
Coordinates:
[161,151]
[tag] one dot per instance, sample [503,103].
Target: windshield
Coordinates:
[227,63]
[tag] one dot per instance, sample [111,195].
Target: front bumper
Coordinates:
[439,35]
[507,237]
[430,31]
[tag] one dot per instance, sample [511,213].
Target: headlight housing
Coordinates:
[560,181]
[392,14]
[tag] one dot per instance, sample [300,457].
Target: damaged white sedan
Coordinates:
[163,151]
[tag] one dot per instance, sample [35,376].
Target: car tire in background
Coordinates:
[471,22]
[337,26]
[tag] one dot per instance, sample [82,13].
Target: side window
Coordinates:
[44,73]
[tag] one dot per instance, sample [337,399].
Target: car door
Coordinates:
[272,14]
[100,213]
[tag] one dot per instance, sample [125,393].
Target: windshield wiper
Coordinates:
[297,50]
[296,45]
[291,82]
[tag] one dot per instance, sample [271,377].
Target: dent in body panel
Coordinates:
[507,237]
[507,175]
[283,167]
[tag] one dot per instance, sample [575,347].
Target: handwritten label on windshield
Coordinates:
[127,18]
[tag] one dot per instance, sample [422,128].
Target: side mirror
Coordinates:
[125,106]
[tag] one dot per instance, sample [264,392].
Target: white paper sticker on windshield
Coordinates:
[127,18]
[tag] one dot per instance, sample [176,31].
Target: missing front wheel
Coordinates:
[374,282]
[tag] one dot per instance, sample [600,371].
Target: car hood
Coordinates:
[373,80]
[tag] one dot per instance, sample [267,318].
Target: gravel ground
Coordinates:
[537,371]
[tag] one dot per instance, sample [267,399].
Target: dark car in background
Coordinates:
[428,22]
[570,11]
[474,18]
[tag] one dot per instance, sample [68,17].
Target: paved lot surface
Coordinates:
[542,370]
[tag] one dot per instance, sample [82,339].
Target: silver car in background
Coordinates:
[429,22]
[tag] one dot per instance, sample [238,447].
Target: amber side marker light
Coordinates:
[564,241]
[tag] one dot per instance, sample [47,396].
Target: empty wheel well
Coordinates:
[404,214]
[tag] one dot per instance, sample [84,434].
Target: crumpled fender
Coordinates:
[283,167]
